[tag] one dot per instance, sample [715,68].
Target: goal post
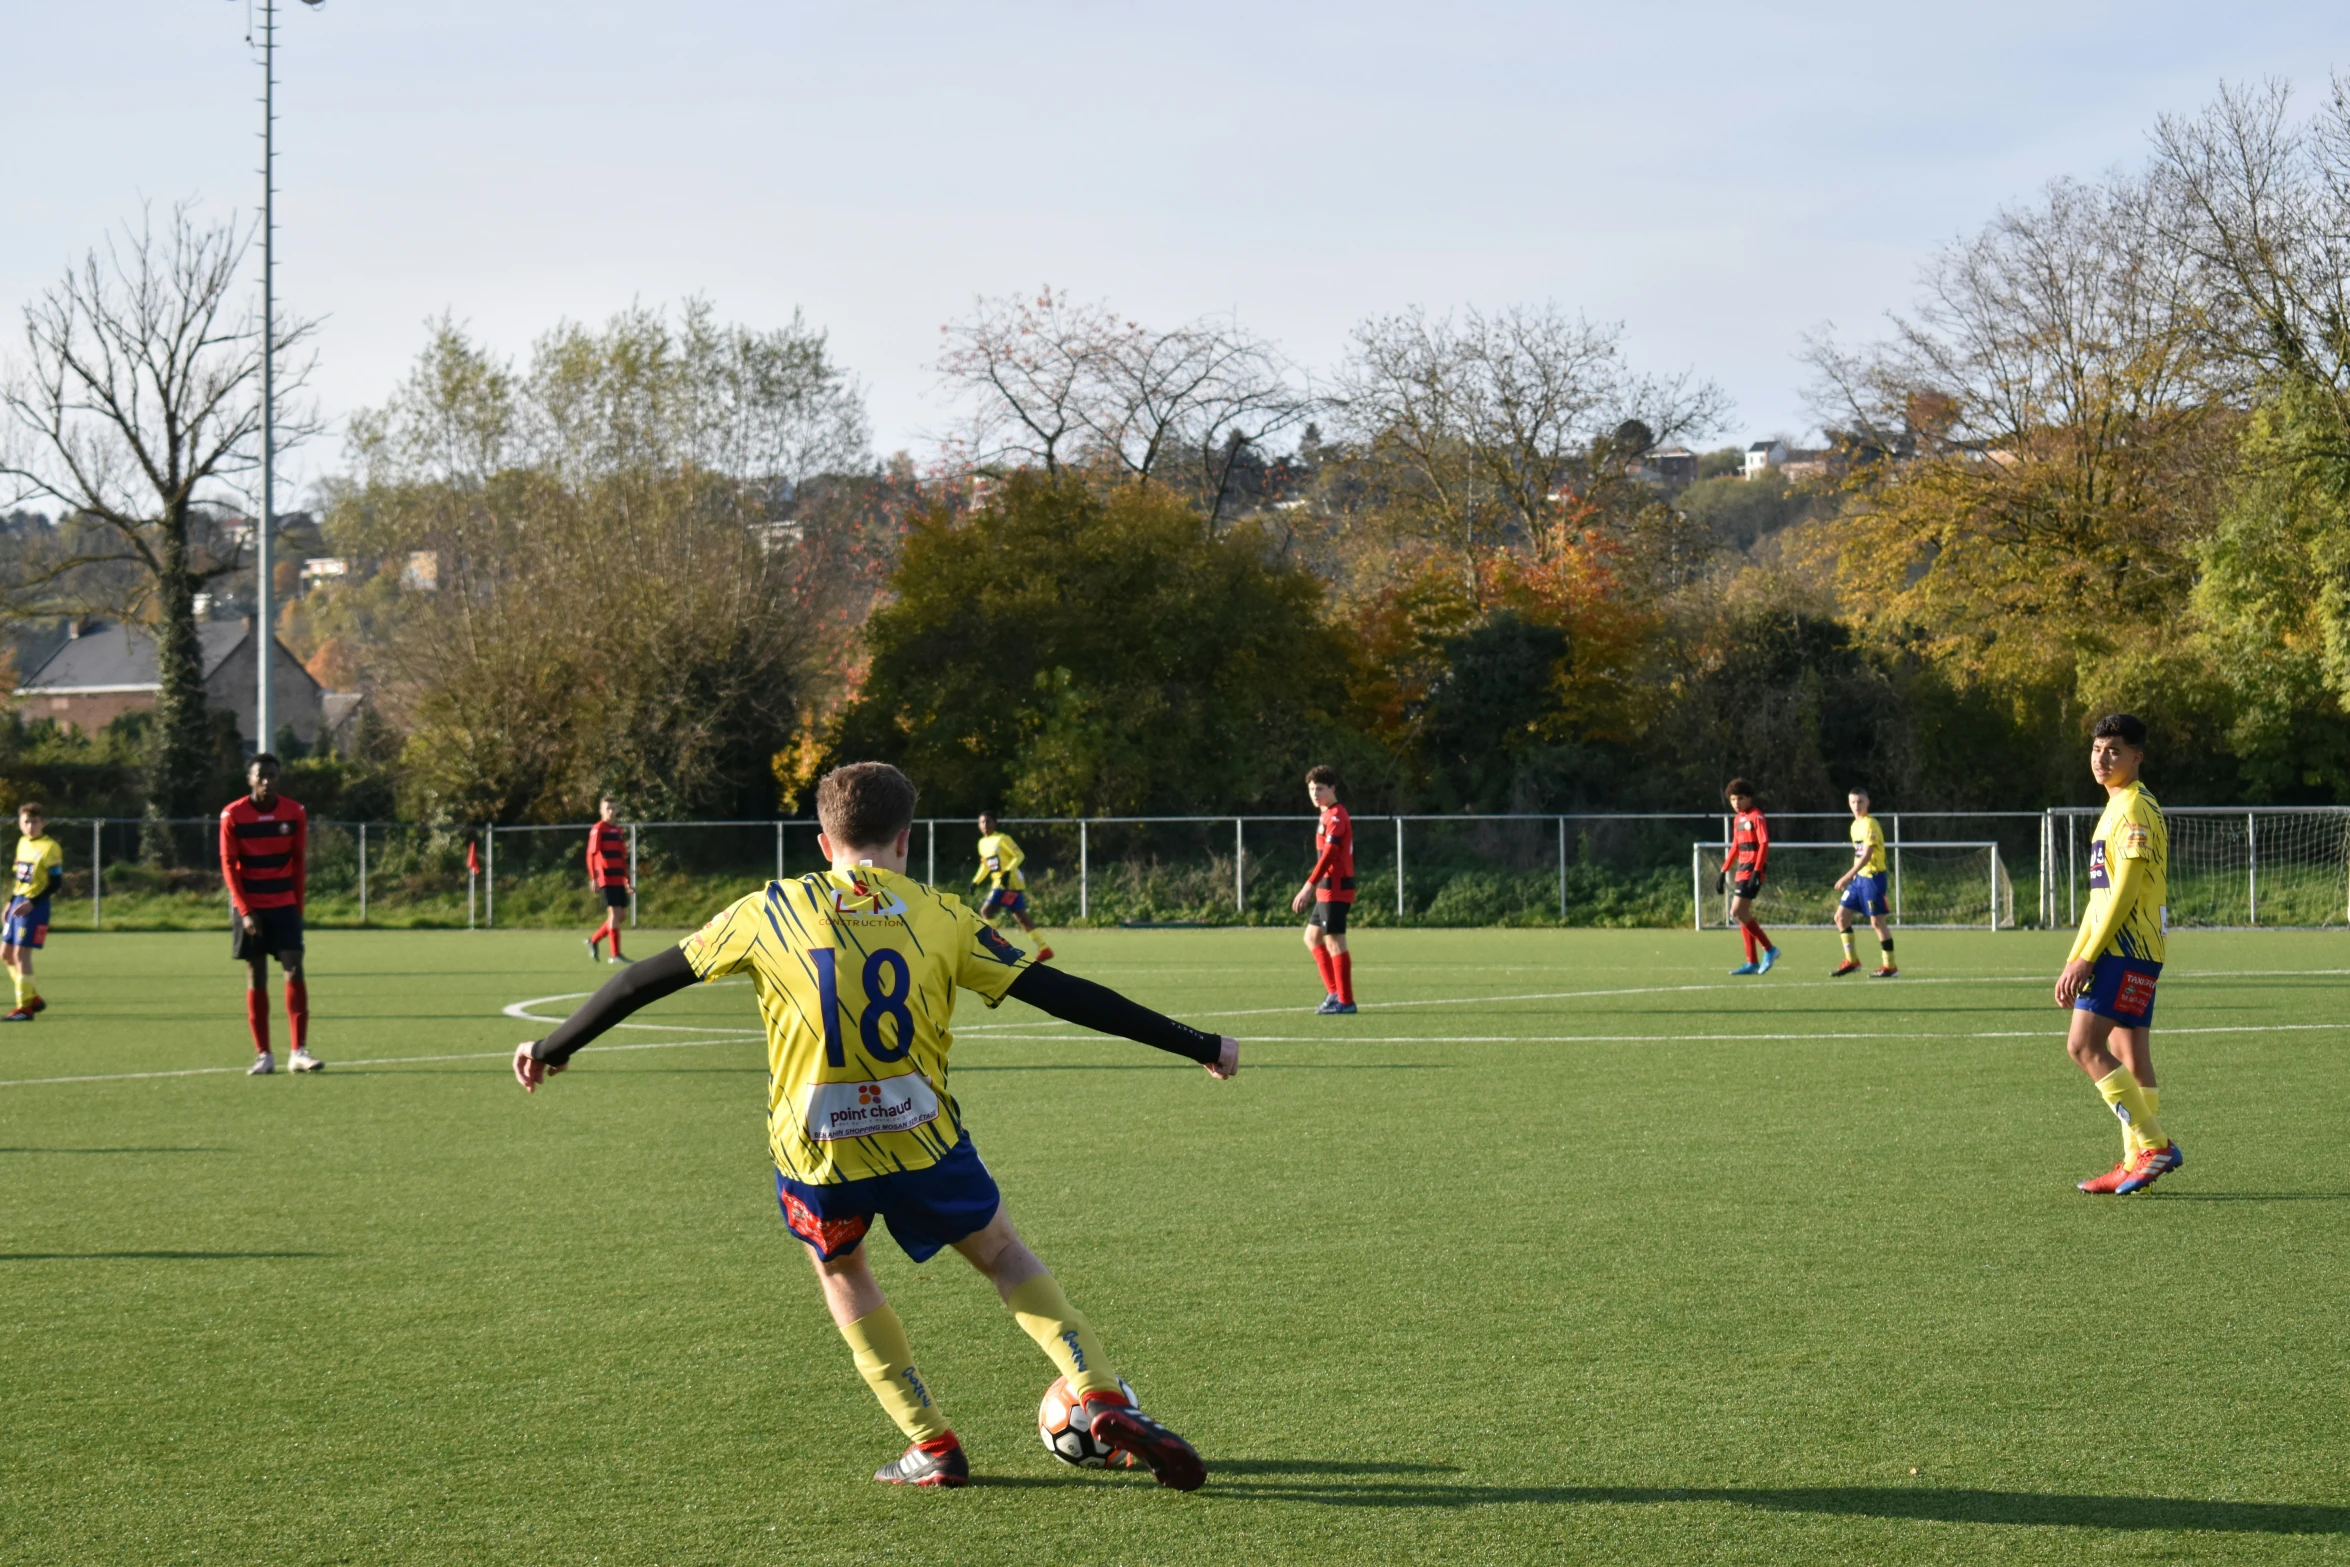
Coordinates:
[1944,884]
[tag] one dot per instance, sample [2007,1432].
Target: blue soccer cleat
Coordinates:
[1769,957]
[1747,968]
[1329,1005]
[1344,1009]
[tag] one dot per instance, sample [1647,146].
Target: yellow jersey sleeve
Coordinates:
[729,942]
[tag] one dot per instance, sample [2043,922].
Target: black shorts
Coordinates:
[1330,916]
[615,897]
[1748,887]
[280,936]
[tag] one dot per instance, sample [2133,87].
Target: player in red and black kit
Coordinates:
[1331,890]
[265,859]
[1749,859]
[607,863]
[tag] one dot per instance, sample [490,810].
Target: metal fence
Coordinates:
[2258,866]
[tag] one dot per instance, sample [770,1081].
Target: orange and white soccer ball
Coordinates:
[1060,1420]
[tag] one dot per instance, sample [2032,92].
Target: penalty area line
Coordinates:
[467,1055]
[1678,1039]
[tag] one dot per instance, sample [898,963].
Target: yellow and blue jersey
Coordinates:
[1868,846]
[856,975]
[2129,877]
[40,866]
[999,863]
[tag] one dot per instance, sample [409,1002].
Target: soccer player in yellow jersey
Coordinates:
[856,970]
[2110,976]
[999,866]
[24,929]
[1861,890]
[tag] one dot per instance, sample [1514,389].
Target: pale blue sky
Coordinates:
[1720,178]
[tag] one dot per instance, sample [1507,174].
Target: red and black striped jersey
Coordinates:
[1750,845]
[607,854]
[265,853]
[1334,856]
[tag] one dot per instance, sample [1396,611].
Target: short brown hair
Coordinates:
[864,805]
[33,806]
[1322,775]
[1738,786]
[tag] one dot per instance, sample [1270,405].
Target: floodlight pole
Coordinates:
[261,565]
[264,632]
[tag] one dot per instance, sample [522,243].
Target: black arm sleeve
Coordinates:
[639,984]
[1103,1010]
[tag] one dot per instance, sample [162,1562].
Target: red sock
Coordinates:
[1746,934]
[1323,966]
[298,1012]
[257,1018]
[612,924]
[1344,962]
[1756,938]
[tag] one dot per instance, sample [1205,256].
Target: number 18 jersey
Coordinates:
[856,975]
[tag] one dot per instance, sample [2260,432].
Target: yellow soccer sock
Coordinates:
[1851,952]
[1045,1315]
[24,987]
[885,1359]
[2120,1090]
[27,989]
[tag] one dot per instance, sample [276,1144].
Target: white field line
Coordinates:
[1679,1039]
[520,1010]
[469,1055]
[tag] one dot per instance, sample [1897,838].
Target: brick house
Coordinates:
[103,671]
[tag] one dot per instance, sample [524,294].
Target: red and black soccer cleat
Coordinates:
[1125,1429]
[2105,1185]
[920,1466]
[1848,966]
[36,1005]
[1044,954]
[20,1015]
[1887,972]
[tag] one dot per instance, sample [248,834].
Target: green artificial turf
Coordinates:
[1567,1248]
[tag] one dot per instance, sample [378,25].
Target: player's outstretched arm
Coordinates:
[1098,1007]
[637,985]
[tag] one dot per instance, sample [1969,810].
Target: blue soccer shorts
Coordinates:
[935,1206]
[26,923]
[1003,900]
[2121,989]
[1866,895]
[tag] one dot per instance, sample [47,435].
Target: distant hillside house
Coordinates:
[104,671]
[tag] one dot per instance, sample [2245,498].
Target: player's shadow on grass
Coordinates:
[151,1256]
[1906,1502]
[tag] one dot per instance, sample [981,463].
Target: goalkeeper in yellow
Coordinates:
[2109,978]
[1007,890]
[856,970]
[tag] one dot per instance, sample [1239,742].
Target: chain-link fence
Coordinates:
[2228,867]
[2271,866]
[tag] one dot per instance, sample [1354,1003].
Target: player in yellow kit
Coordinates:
[24,929]
[1007,890]
[1861,890]
[856,971]
[2110,976]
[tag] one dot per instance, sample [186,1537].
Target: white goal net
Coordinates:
[2227,867]
[1927,884]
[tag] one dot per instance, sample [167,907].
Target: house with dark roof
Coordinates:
[103,671]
